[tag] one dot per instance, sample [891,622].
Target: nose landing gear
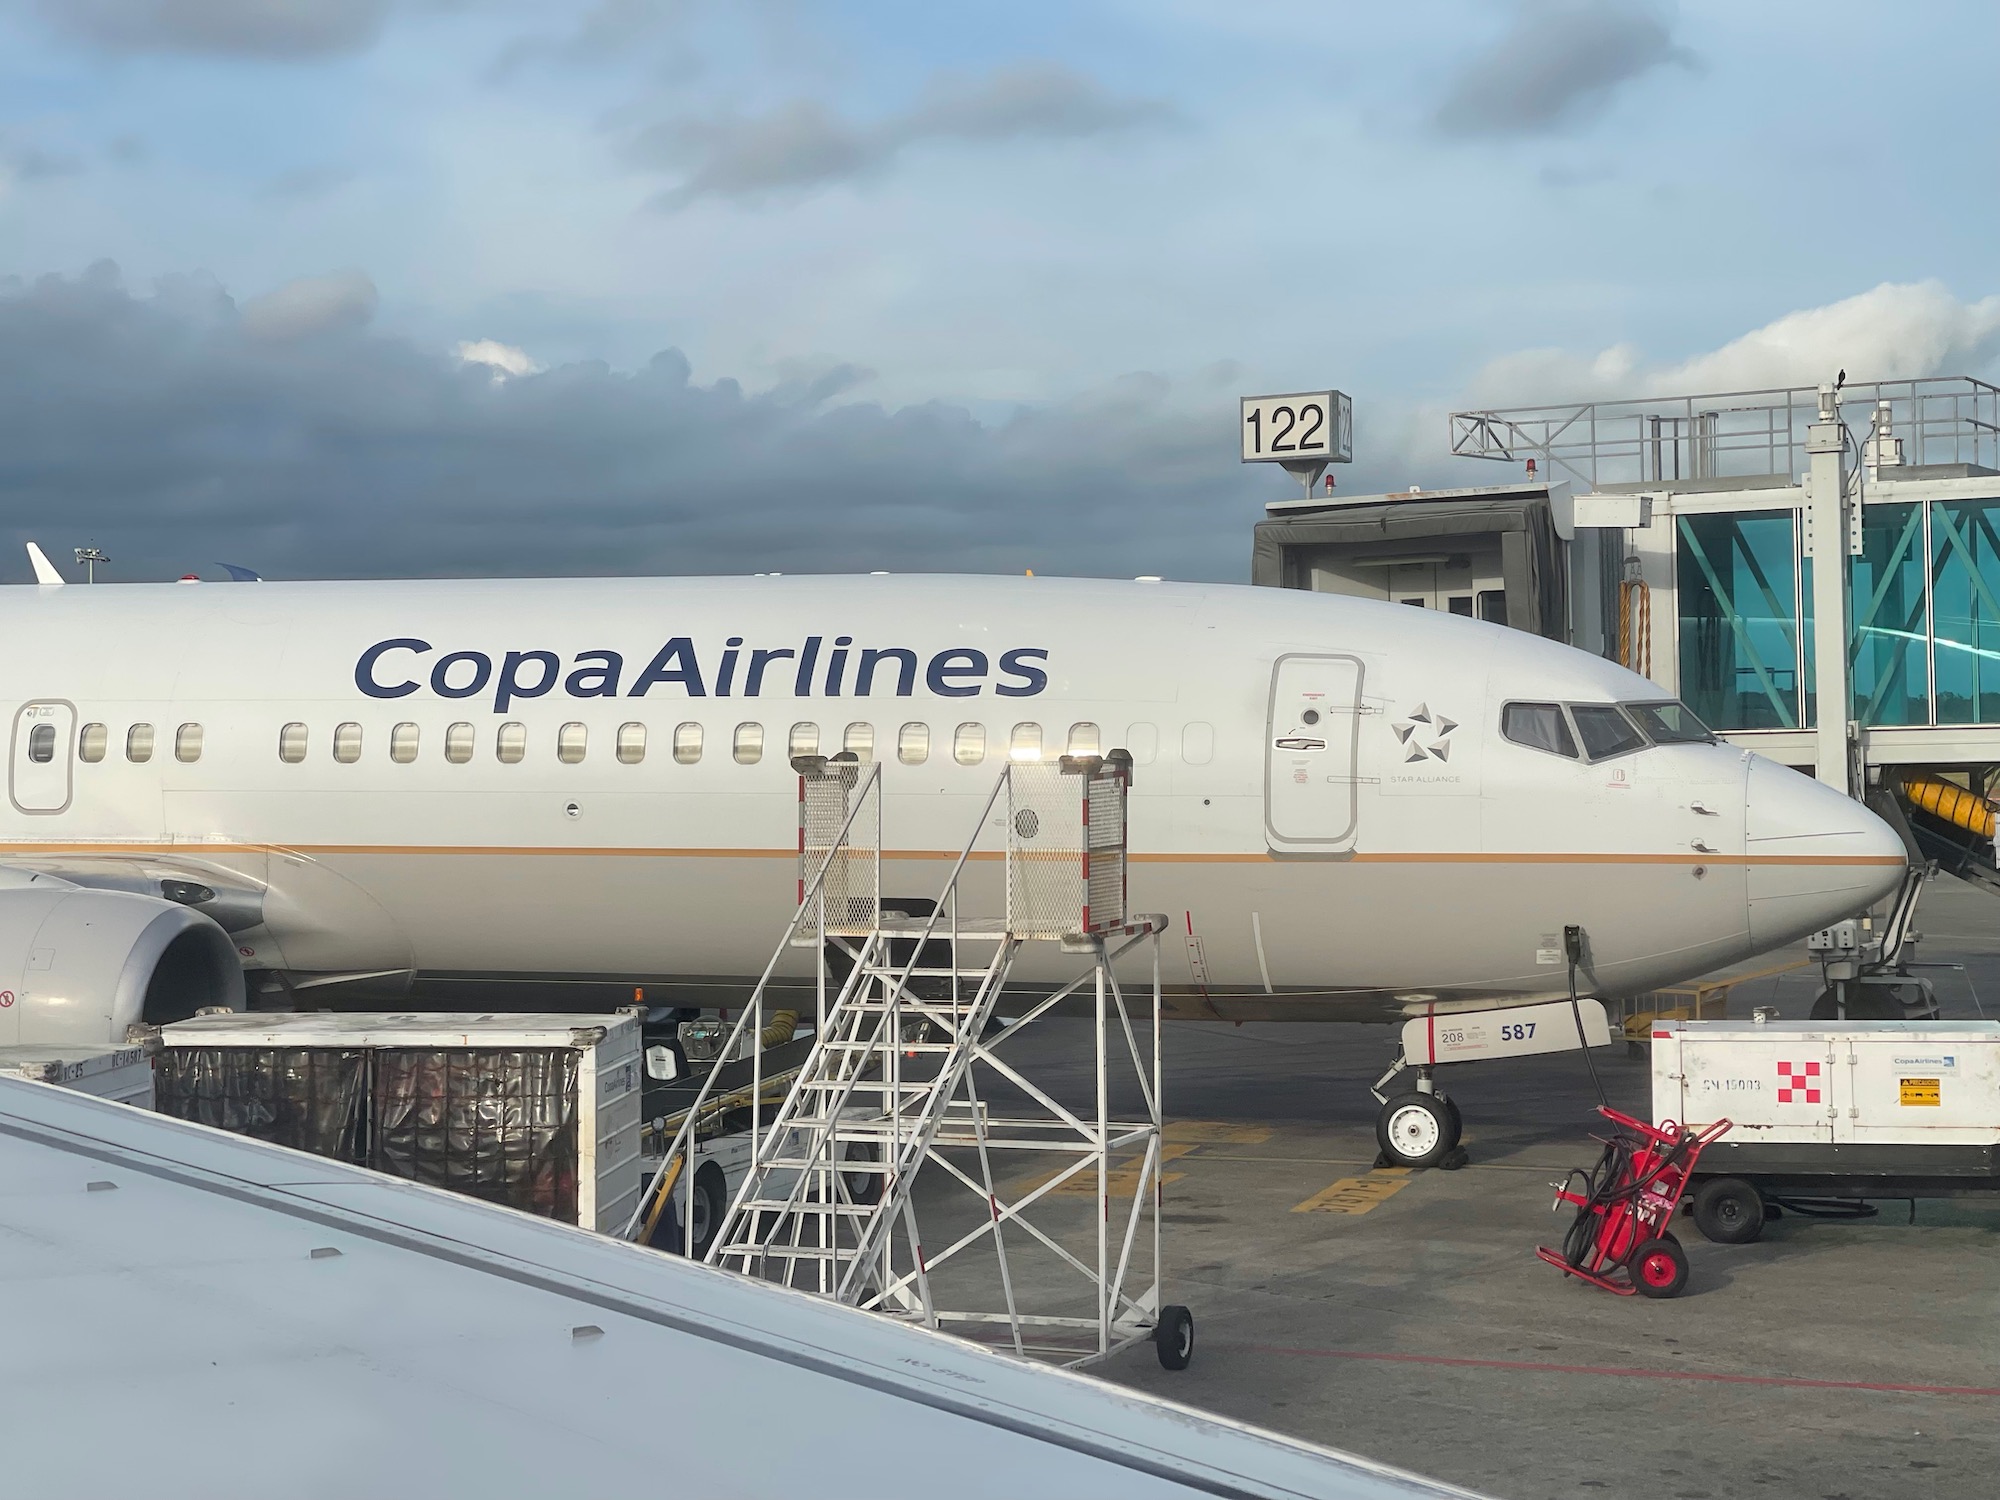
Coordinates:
[1418,1129]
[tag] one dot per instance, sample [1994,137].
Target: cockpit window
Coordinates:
[1670,724]
[1539,726]
[1605,731]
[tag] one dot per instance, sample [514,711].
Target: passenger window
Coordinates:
[631,744]
[458,743]
[1198,744]
[347,743]
[1539,726]
[403,744]
[1084,739]
[749,744]
[511,743]
[42,744]
[1026,742]
[804,740]
[1143,742]
[687,743]
[913,744]
[91,744]
[1605,731]
[859,741]
[187,743]
[571,741]
[139,744]
[968,745]
[292,743]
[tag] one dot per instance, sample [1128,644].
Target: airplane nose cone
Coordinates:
[1815,855]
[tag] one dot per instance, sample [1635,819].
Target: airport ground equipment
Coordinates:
[1830,1114]
[1419,1126]
[917,1070]
[123,1074]
[540,1112]
[1619,1238]
[1866,967]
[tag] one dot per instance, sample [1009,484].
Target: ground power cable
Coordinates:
[1573,951]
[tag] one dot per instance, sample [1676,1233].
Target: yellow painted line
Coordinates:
[1356,1195]
[1122,1181]
[1202,1132]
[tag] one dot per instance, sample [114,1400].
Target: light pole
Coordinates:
[88,558]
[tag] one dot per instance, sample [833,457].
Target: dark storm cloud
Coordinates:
[1559,61]
[176,429]
[805,144]
[278,29]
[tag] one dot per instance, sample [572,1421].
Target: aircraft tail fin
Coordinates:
[45,571]
[239,574]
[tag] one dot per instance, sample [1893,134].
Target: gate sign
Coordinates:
[1314,427]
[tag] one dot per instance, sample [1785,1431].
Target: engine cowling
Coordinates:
[81,966]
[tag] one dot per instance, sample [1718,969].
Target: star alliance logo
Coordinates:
[1424,735]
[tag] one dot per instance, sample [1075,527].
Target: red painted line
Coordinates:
[1714,1377]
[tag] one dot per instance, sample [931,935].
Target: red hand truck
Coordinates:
[1624,1206]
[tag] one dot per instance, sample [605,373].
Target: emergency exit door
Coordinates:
[40,758]
[1311,742]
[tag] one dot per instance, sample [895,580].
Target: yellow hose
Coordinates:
[780,1027]
[1954,804]
[661,1199]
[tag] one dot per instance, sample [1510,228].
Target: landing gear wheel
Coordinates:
[708,1201]
[864,1189]
[1865,1002]
[1659,1268]
[1729,1211]
[1457,1121]
[1416,1130]
[1173,1337]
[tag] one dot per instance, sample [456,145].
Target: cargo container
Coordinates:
[123,1074]
[539,1112]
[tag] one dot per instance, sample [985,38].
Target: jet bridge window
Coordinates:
[458,743]
[1539,726]
[347,743]
[968,744]
[748,747]
[631,744]
[571,742]
[1605,731]
[292,741]
[511,743]
[403,741]
[139,744]
[42,744]
[187,743]
[92,743]
[687,744]
[913,744]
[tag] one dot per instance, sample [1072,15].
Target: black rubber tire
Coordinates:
[708,1201]
[1729,1211]
[1415,1130]
[1658,1267]
[1173,1337]
[1866,1003]
[1457,1121]
[864,1189]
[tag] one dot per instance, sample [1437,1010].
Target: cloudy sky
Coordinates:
[379,287]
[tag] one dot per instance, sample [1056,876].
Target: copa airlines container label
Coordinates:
[1823,1081]
[1518,1031]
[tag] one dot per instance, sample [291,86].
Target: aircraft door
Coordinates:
[41,757]
[1311,740]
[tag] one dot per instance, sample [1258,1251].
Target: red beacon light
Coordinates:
[1531,468]
[189,578]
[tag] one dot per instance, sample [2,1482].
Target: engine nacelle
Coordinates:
[80,965]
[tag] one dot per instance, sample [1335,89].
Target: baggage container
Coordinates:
[539,1112]
[123,1074]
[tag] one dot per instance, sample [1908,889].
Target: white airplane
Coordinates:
[1361,811]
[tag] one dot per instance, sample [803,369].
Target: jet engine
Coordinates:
[79,965]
